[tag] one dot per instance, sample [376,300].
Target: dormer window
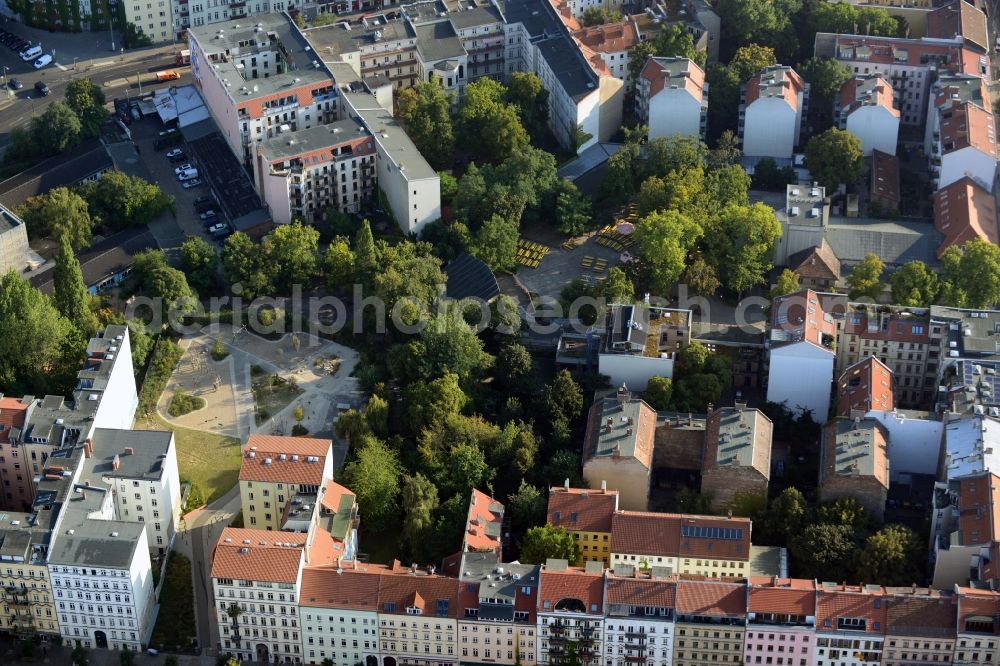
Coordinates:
[413,610]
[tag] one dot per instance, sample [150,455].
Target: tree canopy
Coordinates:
[835,158]
[60,213]
[425,111]
[545,542]
[488,125]
[864,280]
[70,294]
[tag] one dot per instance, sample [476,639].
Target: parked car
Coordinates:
[30,52]
[183,167]
[202,200]
[178,158]
[44,60]
[208,214]
[218,228]
[15,84]
[175,152]
[42,89]
[194,182]
[203,207]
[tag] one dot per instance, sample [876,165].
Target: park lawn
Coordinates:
[210,461]
[175,621]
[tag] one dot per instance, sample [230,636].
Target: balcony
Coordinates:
[641,635]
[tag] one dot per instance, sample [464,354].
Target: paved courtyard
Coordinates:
[560,267]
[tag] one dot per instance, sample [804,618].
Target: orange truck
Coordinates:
[167,75]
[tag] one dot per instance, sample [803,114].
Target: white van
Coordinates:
[187,175]
[31,52]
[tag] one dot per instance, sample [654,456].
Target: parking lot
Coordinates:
[145,134]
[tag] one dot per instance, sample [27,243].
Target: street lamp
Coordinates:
[111,28]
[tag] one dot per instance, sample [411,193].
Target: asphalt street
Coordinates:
[119,74]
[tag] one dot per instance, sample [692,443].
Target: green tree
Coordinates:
[201,264]
[675,41]
[364,251]
[787,283]
[449,186]
[971,278]
[514,367]
[846,511]
[69,292]
[425,111]
[835,158]
[488,123]
[725,82]
[548,542]
[618,288]
[564,398]
[61,213]
[496,243]
[784,519]
[914,285]
[338,263]
[323,19]
[691,501]
[80,656]
[865,278]
[525,91]
[33,333]
[742,245]
[599,16]
[374,477]
[447,345]
[663,240]
[429,404]
[159,280]
[825,77]
[845,18]
[573,212]
[293,249]
[701,276]
[767,176]
[823,552]
[726,152]
[244,263]
[891,556]
[57,130]
[465,468]
[86,99]
[121,201]
[420,503]
[658,392]
[527,507]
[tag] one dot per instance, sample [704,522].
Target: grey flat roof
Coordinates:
[895,242]
[483,14]
[567,63]
[438,41]
[88,158]
[297,52]
[110,256]
[536,15]
[149,449]
[337,39]
[97,543]
[291,144]
[8,220]
[390,135]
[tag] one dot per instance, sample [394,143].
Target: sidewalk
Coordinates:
[81,45]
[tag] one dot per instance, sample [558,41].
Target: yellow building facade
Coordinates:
[276,469]
[586,514]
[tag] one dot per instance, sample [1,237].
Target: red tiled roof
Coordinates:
[482,528]
[331,495]
[816,262]
[915,611]
[711,598]
[959,19]
[294,468]
[851,601]
[866,385]
[433,594]
[975,604]
[801,317]
[774,81]
[582,509]
[256,555]
[965,210]
[782,596]
[12,412]
[329,587]
[609,37]
[892,328]
[660,534]
[968,126]
[659,78]
[571,584]
[913,52]
[885,178]
[978,522]
[626,591]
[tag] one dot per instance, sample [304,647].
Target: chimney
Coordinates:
[566,483]
[116,462]
[88,448]
[624,395]
[413,568]
[711,407]
[690,419]
[604,487]
[129,450]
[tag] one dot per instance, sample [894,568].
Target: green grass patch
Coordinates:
[183,403]
[165,358]
[175,623]
[272,393]
[205,459]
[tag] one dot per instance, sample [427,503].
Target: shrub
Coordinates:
[219,351]
[182,403]
[299,430]
[165,358]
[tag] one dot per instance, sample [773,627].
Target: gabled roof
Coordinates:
[968,125]
[12,413]
[108,257]
[976,605]
[855,448]
[782,596]
[629,591]
[711,598]
[800,317]
[620,428]
[738,437]
[959,19]
[965,210]
[64,170]
[436,596]
[243,554]
[885,178]
[850,601]
[483,523]
[329,586]
[666,73]
[867,385]
[582,509]
[920,612]
[609,37]
[275,459]
[673,535]
[569,586]
[775,81]
[866,91]
[815,262]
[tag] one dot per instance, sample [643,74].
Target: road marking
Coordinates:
[102,64]
[63,68]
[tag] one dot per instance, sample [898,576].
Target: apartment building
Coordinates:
[154,18]
[965,210]
[772,108]
[418,614]
[865,386]
[338,614]
[274,469]
[382,47]
[854,462]
[611,42]
[642,342]
[13,242]
[483,524]
[966,147]
[978,638]
[104,397]
[672,98]
[303,174]
[141,469]
[200,13]
[339,517]
[711,623]
[586,514]
[866,108]
[570,615]
[618,447]
[737,459]
[909,65]
[498,620]
[27,607]
[680,543]
[639,626]
[963,526]
[946,92]
[803,223]
[885,185]
[920,626]
[960,20]
[260,78]
[850,624]
[802,353]
[781,621]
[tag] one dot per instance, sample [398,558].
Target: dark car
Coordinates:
[15,84]
[179,158]
[204,207]
[202,199]
[42,89]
